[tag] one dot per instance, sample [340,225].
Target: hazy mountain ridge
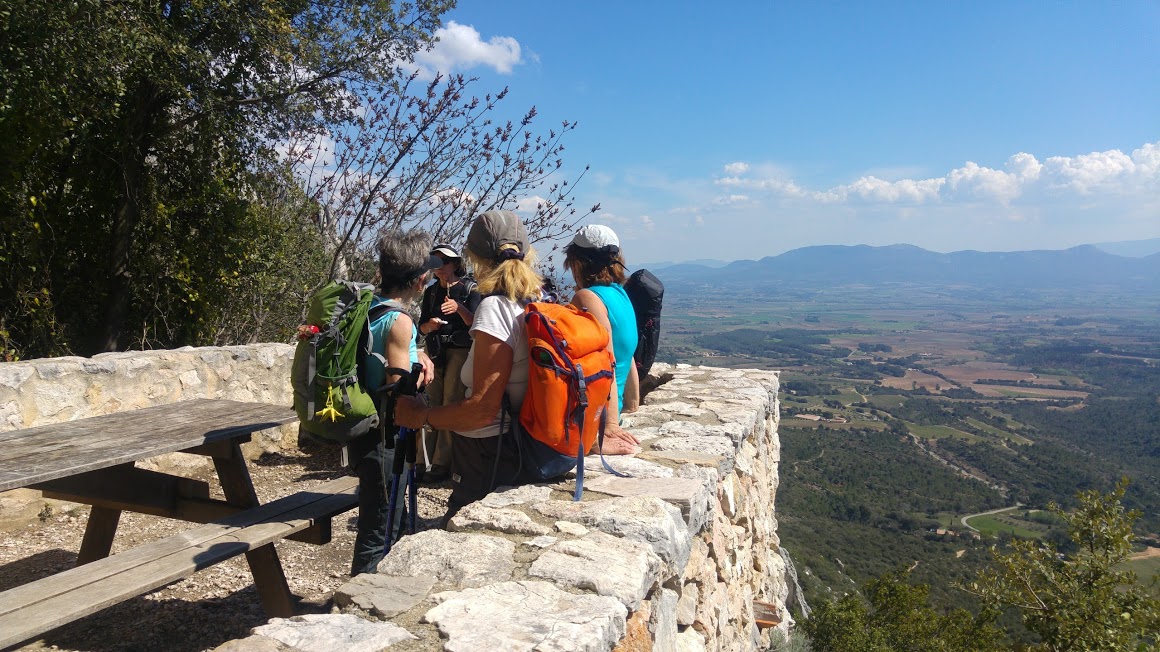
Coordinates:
[1085,265]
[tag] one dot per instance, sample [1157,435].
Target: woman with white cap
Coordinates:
[497,364]
[597,266]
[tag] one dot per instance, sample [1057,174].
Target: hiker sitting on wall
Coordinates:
[448,311]
[597,266]
[404,270]
[497,363]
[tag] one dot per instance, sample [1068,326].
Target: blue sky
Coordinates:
[744,129]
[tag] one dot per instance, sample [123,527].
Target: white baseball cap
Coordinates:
[596,236]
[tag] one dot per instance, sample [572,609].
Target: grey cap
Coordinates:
[492,230]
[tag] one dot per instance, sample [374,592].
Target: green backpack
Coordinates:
[331,395]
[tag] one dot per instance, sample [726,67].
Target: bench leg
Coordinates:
[99,533]
[265,566]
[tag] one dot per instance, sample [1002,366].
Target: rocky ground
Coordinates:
[214,605]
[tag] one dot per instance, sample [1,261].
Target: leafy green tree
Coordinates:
[898,617]
[1085,601]
[129,124]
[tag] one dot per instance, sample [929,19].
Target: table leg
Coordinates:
[99,533]
[269,578]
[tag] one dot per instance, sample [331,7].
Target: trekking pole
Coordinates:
[406,386]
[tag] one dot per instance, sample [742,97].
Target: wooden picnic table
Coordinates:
[91,461]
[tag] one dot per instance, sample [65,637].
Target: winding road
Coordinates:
[963,520]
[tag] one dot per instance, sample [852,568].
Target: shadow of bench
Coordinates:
[37,607]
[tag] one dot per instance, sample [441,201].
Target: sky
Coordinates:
[733,130]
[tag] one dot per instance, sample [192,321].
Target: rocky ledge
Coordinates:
[673,557]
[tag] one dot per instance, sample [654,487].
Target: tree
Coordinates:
[120,120]
[433,155]
[898,617]
[1083,601]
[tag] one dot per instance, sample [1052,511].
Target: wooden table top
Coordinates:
[60,450]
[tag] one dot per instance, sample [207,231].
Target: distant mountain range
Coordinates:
[1083,266]
[1132,248]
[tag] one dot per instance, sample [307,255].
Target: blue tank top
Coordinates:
[380,330]
[624,337]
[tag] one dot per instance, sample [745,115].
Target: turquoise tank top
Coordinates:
[624,337]
[380,329]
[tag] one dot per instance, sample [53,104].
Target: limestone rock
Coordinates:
[647,519]
[689,641]
[478,516]
[632,466]
[701,444]
[251,644]
[383,595]
[527,616]
[522,495]
[542,542]
[462,560]
[19,507]
[637,637]
[663,623]
[623,569]
[330,632]
[568,527]
[687,604]
[690,495]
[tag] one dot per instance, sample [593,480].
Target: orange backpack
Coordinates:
[570,377]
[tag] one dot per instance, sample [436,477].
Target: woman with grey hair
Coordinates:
[405,266]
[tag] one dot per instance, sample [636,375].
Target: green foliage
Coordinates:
[898,617]
[1083,601]
[137,138]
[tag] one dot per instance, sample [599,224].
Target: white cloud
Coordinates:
[698,220]
[460,47]
[731,199]
[1110,171]
[737,168]
[647,222]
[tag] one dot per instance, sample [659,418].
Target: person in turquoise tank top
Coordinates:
[597,266]
[405,266]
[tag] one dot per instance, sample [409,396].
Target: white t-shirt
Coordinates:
[503,319]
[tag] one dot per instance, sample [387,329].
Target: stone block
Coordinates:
[723,463]
[527,616]
[522,495]
[700,444]
[687,604]
[646,519]
[568,527]
[383,596]
[477,516]
[663,624]
[687,494]
[457,559]
[689,641]
[624,569]
[330,632]
[251,644]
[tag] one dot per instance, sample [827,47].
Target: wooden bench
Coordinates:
[32,609]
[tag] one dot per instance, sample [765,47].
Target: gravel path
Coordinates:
[213,605]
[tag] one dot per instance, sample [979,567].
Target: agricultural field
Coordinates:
[878,397]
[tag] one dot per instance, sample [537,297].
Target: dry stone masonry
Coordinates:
[671,558]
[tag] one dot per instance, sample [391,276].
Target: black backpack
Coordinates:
[647,293]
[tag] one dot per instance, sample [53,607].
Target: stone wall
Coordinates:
[52,390]
[674,557]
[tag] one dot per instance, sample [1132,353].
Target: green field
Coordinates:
[992,524]
[992,430]
[939,432]
[886,401]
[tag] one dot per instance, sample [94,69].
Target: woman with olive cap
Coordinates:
[497,363]
[597,266]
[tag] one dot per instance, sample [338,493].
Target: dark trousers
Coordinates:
[371,459]
[475,472]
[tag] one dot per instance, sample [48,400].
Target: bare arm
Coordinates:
[618,441]
[492,368]
[632,390]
